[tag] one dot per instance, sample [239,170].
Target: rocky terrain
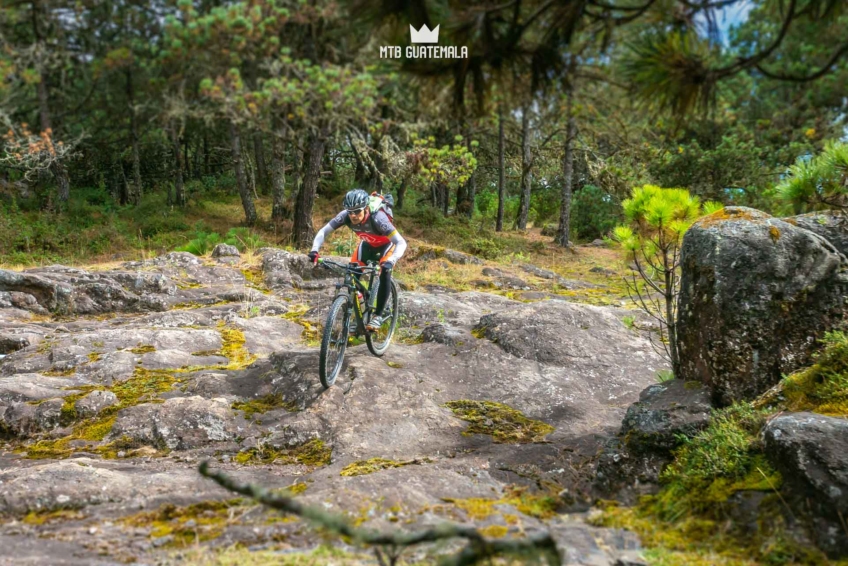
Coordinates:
[116,384]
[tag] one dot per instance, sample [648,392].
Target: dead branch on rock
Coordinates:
[477,549]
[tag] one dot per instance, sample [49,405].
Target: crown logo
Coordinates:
[424,35]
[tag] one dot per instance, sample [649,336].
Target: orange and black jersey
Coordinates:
[376,230]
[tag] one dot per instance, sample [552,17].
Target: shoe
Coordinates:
[374,324]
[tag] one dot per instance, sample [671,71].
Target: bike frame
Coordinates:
[352,274]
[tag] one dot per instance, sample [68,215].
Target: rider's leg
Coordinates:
[383,291]
[385,280]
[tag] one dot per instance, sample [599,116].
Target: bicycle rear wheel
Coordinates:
[378,342]
[334,342]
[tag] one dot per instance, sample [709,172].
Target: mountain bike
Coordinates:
[352,307]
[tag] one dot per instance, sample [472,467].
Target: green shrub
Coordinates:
[244,239]
[202,243]
[594,213]
[484,247]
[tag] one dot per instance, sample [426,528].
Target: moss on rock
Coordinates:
[144,386]
[186,525]
[503,423]
[311,453]
[264,404]
[823,387]
[365,467]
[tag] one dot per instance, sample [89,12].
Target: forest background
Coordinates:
[133,128]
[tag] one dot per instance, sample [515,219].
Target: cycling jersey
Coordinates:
[376,231]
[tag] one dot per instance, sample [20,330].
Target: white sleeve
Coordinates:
[319,237]
[400,246]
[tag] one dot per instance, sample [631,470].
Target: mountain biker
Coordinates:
[380,240]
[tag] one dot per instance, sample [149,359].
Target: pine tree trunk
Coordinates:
[196,168]
[244,193]
[137,191]
[303,231]
[562,235]
[261,168]
[206,170]
[63,185]
[186,161]
[401,192]
[249,170]
[524,204]
[278,173]
[179,197]
[501,171]
[297,170]
[471,190]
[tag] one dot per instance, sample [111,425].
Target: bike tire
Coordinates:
[371,338]
[329,344]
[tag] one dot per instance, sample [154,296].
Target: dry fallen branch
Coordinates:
[477,549]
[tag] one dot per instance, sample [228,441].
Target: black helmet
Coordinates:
[357,198]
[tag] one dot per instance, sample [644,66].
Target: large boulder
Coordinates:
[811,453]
[833,226]
[755,294]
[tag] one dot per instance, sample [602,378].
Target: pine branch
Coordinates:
[478,548]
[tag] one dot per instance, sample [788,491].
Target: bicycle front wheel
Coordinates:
[334,342]
[378,342]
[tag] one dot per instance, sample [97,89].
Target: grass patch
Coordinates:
[689,520]
[312,453]
[264,404]
[823,387]
[503,423]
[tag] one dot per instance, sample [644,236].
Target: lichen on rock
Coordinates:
[503,423]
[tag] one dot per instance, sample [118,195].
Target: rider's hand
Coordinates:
[313,257]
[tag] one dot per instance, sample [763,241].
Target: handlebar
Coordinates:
[329,264]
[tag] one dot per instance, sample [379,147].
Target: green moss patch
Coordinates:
[187,525]
[264,404]
[823,387]
[144,386]
[312,453]
[311,333]
[143,349]
[689,520]
[60,372]
[38,518]
[229,556]
[494,531]
[538,505]
[503,423]
[365,467]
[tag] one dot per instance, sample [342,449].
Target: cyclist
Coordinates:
[380,241]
